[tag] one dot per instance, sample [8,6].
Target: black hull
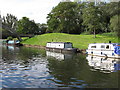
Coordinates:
[62,50]
[18,44]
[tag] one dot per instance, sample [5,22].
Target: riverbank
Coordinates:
[35,46]
[79,41]
[43,47]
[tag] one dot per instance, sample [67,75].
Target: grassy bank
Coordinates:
[79,41]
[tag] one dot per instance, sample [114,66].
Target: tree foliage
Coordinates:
[115,24]
[112,9]
[75,18]
[92,18]
[69,17]
[9,24]
[25,26]
[42,28]
[65,18]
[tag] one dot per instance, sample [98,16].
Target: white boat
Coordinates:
[60,46]
[110,50]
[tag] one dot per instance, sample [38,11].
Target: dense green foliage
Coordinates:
[79,41]
[69,17]
[9,24]
[92,18]
[115,24]
[10,38]
[64,18]
[25,26]
[76,18]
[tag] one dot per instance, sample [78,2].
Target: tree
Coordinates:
[92,18]
[109,10]
[114,24]
[105,17]
[9,23]
[112,9]
[25,26]
[65,18]
[43,28]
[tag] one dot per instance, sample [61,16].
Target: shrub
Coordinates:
[10,38]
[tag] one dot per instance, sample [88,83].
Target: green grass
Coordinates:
[79,41]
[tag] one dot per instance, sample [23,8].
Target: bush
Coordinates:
[10,38]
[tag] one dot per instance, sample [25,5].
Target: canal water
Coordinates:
[22,67]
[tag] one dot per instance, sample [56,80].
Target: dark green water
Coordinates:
[22,67]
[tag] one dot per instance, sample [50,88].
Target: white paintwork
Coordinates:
[104,64]
[102,49]
[60,45]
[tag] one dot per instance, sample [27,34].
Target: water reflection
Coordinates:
[76,73]
[23,67]
[59,56]
[68,71]
[104,64]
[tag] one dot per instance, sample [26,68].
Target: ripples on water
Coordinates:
[33,68]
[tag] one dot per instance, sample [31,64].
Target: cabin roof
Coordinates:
[61,42]
[104,43]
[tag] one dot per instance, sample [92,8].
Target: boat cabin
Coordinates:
[104,49]
[100,46]
[13,41]
[59,45]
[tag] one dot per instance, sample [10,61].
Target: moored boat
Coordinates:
[111,50]
[60,47]
[13,42]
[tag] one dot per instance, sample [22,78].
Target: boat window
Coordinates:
[107,47]
[93,46]
[102,46]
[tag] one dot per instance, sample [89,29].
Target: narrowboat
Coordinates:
[60,47]
[110,50]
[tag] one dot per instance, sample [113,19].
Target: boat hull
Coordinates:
[103,53]
[62,50]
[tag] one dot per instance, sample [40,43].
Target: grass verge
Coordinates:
[79,41]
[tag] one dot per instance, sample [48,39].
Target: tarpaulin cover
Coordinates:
[117,49]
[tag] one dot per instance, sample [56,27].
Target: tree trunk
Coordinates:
[12,31]
[18,37]
[16,34]
[94,33]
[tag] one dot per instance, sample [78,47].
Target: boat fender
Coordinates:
[112,54]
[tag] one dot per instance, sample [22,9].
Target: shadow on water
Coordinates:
[36,68]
